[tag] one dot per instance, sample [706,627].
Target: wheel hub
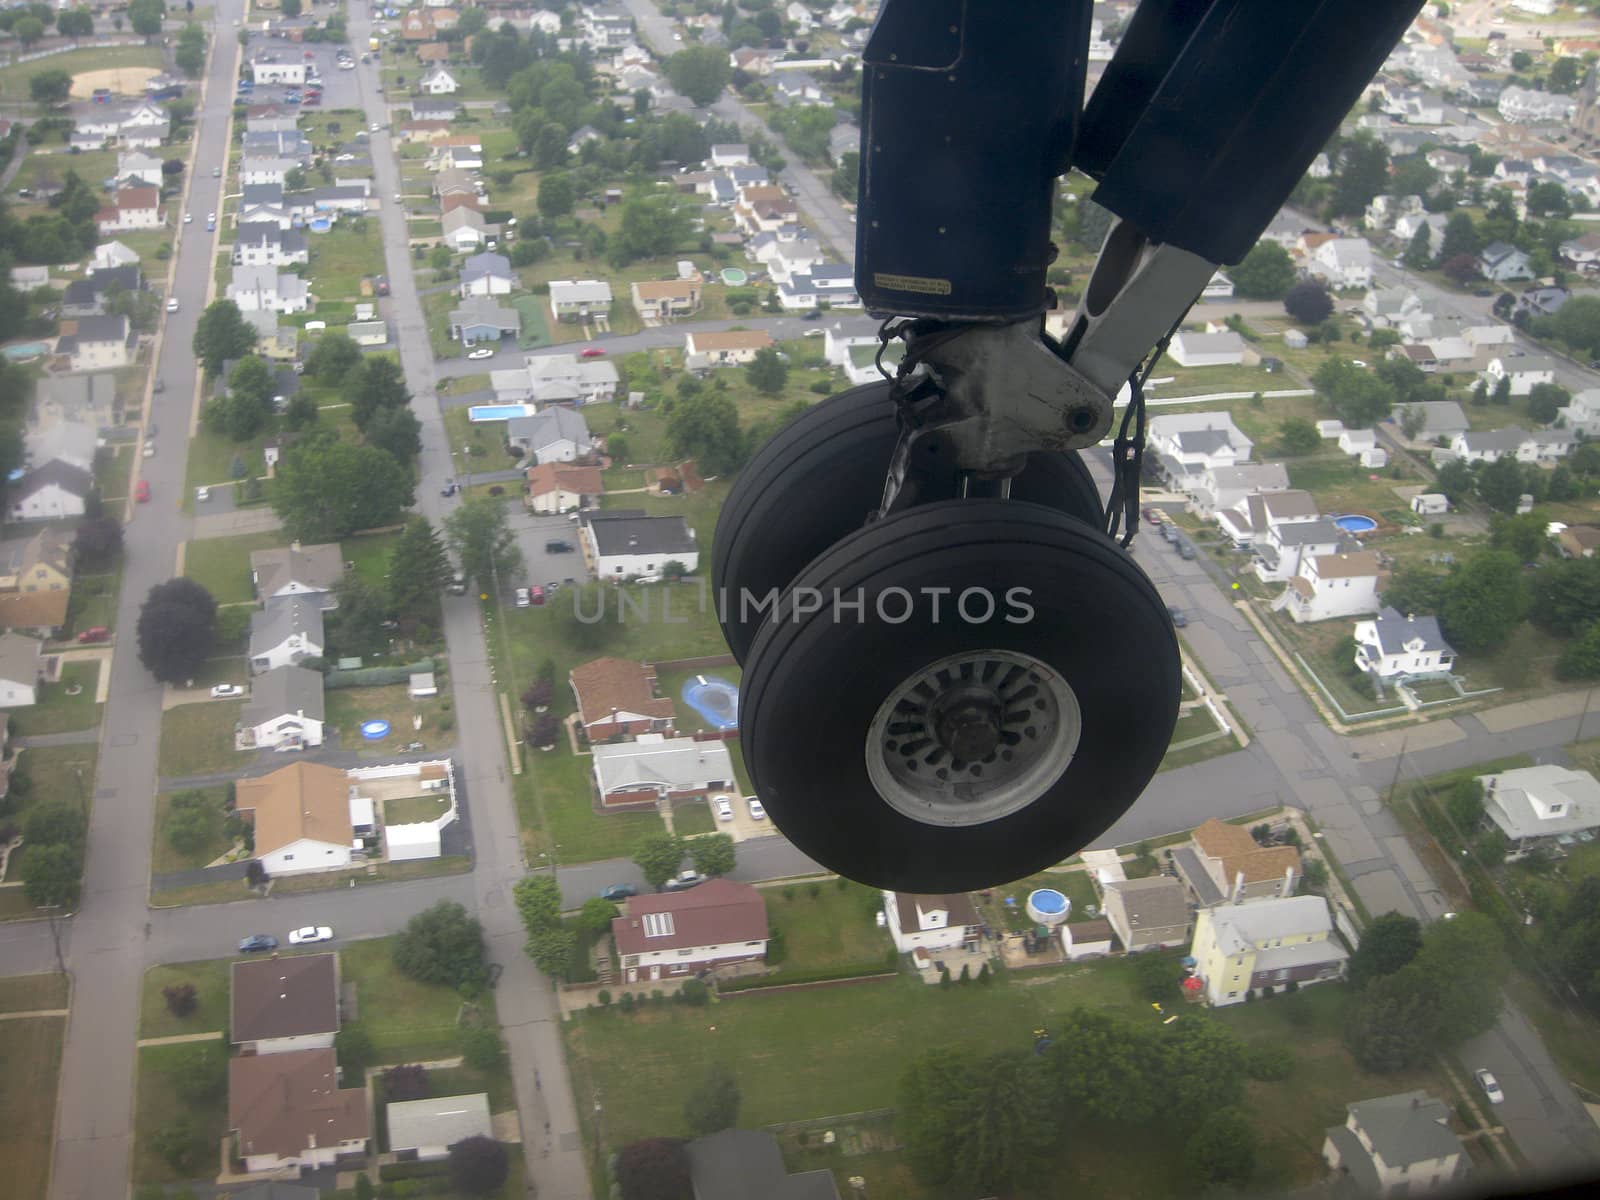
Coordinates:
[973,738]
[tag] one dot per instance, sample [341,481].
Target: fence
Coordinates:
[858,1118]
[695,664]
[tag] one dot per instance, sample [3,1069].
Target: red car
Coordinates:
[142,492]
[97,633]
[591,352]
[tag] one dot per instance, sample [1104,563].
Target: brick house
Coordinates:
[617,698]
[679,933]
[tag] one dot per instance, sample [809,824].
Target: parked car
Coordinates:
[95,633]
[202,494]
[724,808]
[1154,516]
[449,488]
[172,304]
[226,691]
[161,386]
[1490,1085]
[142,492]
[757,813]
[216,172]
[257,941]
[211,221]
[149,447]
[558,546]
[536,595]
[188,218]
[458,584]
[310,933]
[524,598]
[814,314]
[1185,551]
[1170,533]
[1179,617]
[684,881]
[591,352]
[618,891]
[481,352]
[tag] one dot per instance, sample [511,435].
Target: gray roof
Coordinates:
[19,658]
[441,1121]
[1153,903]
[282,617]
[103,329]
[65,475]
[284,690]
[1442,416]
[1504,441]
[265,233]
[1188,863]
[1270,477]
[738,1164]
[1519,801]
[1395,632]
[1309,533]
[1203,441]
[261,193]
[485,310]
[1242,926]
[79,396]
[317,567]
[1411,1127]
[548,427]
[643,535]
[480,266]
[675,762]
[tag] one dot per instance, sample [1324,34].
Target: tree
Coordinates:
[658,856]
[1455,480]
[478,1165]
[145,16]
[1461,237]
[442,944]
[50,87]
[1297,437]
[596,916]
[354,1048]
[291,8]
[553,951]
[1463,804]
[181,999]
[845,180]
[98,541]
[556,196]
[1358,397]
[1565,75]
[301,411]
[1500,484]
[651,225]
[378,385]
[398,433]
[767,372]
[1223,1149]
[248,406]
[538,901]
[193,822]
[358,629]
[482,1049]
[55,823]
[705,426]
[327,489]
[654,1169]
[1501,394]
[700,73]
[1485,598]
[1544,401]
[190,55]
[1461,269]
[52,875]
[333,357]
[1363,173]
[712,1105]
[176,631]
[419,569]
[484,543]
[1524,535]
[1418,253]
[1580,658]
[977,1124]
[1267,273]
[712,853]
[75,22]
[1387,944]
[408,1081]
[28,31]
[1308,303]
[222,334]
[1387,1026]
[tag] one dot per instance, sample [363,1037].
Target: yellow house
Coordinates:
[36,584]
[1265,944]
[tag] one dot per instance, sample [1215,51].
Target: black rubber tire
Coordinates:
[812,685]
[816,481]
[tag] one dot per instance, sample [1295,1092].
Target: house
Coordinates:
[349,196]
[1578,541]
[1386,306]
[137,167]
[417,26]
[730,154]
[664,299]
[66,441]
[1525,372]
[1362,444]
[130,208]
[297,570]
[36,584]
[1524,105]
[932,923]
[263,244]
[1540,302]
[828,285]
[1546,445]
[1342,262]
[485,274]
[727,348]
[285,711]
[89,400]
[717,924]
[424,1130]
[1280,553]
[1500,262]
[738,1164]
[287,1111]
[268,68]
[1147,914]
[1240,948]
[287,630]
[1223,487]
[277,143]
[1391,646]
[1396,1146]
[106,254]
[57,489]
[1186,445]
[434,110]
[796,87]
[480,319]
[439,82]
[465,229]
[1255,516]
[552,379]
[22,670]
[278,1005]
[655,769]
[617,698]
[561,487]
[557,434]
[621,545]
[1224,864]
[1541,808]
[1440,419]
[89,296]
[1406,226]
[265,289]
[579,299]
[1086,939]
[1333,585]
[301,813]
[269,170]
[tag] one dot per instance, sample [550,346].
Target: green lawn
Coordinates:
[340,257]
[14,80]
[114,471]
[163,1071]
[227,891]
[29,993]
[644,429]
[348,707]
[164,858]
[670,684]
[834,927]
[476,446]
[406,1020]
[700,510]
[197,739]
[556,809]
[222,565]
[211,460]
[692,818]
[414,809]
[370,554]
[65,772]
[210,979]
[31,1051]
[94,602]
[57,712]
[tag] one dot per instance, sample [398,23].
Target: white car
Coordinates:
[1490,1085]
[376,127]
[226,691]
[524,598]
[172,304]
[757,813]
[188,218]
[724,809]
[310,933]
[149,448]
[211,218]
[202,494]
[216,172]
[482,352]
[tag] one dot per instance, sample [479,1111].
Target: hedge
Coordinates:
[414,1170]
[376,676]
[822,975]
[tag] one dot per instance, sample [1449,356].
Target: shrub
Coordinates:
[814,890]
[181,999]
[695,993]
[1269,1063]
[604,997]
[625,1002]
[406,1082]
[482,1049]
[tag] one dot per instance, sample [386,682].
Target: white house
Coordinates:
[1279,554]
[1148,914]
[1265,944]
[557,434]
[1406,226]
[130,208]
[1500,262]
[1343,262]
[267,69]
[139,167]
[21,670]
[1521,104]
[1582,416]
[559,488]
[1545,445]
[1541,808]
[1391,646]
[1186,445]
[285,711]
[1440,418]
[428,1128]
[1397,1145]
[577,299]
[932,922]
[298,570]
[1254,517]
[301,815]
[551,379]
[830,284]
[256,171]
[264,289]
[53,491]
[286,631]
[439,82]
[1218,287]
[1430,504]
[486,274]
[1583,252]
[1387,306]
[100,344]
[622,545]
[1219,488]
[262,244]
[733,347]
[108,255]
[654,769]
[717,925]
[1333,585]
[1190,348]
[1524,371]
[464,229]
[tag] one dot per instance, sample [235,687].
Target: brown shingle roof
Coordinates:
[719,912]
[1239,853]
[607,685]
[306,800]
[549,477]
[731,339]
[1347,566]
[284,997]
[34,610]
[668,289]
[911,907]
[457,200]
[284,1103]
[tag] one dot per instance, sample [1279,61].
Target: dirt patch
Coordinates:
[123,81]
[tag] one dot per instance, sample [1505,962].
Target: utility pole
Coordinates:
[1584,716]
[1399,763]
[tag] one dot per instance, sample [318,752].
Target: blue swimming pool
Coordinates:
[499,412]
[1355,523]
[24,351]
[713,698]
[375,730]
[733,276]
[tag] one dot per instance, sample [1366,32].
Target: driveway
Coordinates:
[533,531]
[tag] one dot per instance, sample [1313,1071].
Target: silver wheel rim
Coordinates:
[911,764]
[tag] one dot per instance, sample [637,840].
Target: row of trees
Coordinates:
[67,232]
[560,948]
[660,855]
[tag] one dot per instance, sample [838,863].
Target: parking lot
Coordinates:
[533,531]
[339,88]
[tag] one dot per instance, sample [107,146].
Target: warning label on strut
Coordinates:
[912,283]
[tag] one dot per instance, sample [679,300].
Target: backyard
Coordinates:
[348,708]
[181,1093]
[30,1048]
[339,258]
[58,709]
[166,858]
[827,925]
[197,739]
[555,808]
[222,565]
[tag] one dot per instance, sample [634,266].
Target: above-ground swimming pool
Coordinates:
[374,730]
[713,698]
[499,412]
[1355,523]
[734,277]
[1048,907]
[24,351]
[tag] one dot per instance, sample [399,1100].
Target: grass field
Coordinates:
[187,1085]
[94,602]
[14,80]
[403,1017]
[29,993]
[164,858]
[197,739]
[222,565]
[555,809]
[30,1048]
[210,979]
[211,460]
[834,927]
[348,707]
[340,257]
[57,712]
[693,818]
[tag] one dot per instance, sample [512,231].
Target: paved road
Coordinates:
[108,952]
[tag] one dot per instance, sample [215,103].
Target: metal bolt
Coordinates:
[1082,419]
